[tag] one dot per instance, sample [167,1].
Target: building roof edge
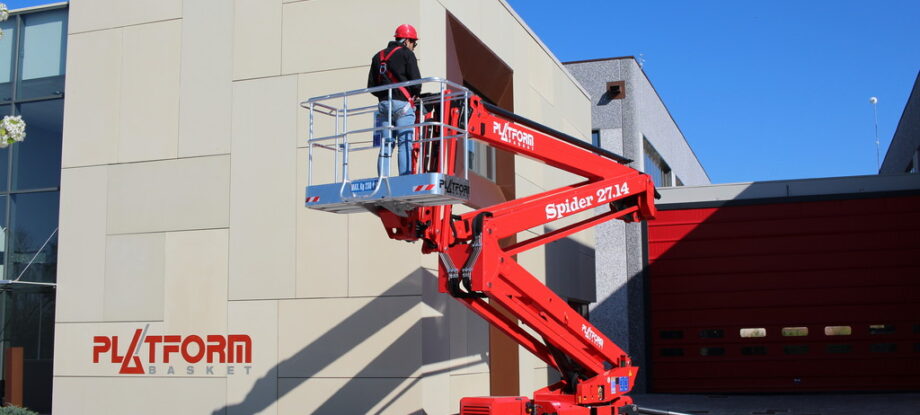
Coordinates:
[48,6]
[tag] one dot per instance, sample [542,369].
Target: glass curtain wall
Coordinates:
[32,61]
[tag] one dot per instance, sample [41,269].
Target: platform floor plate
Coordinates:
[397,192]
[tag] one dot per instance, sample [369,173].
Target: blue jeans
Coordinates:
[402,114]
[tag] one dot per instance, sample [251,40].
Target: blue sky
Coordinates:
[18,4]
[762,90]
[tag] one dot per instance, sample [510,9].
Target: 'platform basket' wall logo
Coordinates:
[213,354]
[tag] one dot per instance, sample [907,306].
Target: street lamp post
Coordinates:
[878,162]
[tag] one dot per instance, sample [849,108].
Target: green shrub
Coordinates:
[15,410]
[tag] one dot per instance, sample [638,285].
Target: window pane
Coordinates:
[4,232]
[754,332]
[37,160]
[481,158]
[838,330]
[6,59]
[674,351]
[30,322]
[881,329]
[795,331]
[5,156]
[712,333]
[754,350]
[672,334]
[655,166]
[43,51]
[712,351]
[33,237]
[796,349]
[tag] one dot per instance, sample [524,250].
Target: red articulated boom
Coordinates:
[475,267]
[482,274]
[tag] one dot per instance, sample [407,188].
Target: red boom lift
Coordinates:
[475,268]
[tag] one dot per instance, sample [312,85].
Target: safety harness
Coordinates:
[384,69]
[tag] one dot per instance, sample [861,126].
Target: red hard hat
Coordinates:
[406,31]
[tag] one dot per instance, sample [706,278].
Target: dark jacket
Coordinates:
[403,64]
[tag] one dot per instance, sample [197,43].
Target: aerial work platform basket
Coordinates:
[346,138]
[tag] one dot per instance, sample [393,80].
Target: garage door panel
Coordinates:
[691,284]
[781,245]
[687,230]
[852,259]
[800,297]
[796,211]
[756,317]
[785,384]
[789,368]
[783,297]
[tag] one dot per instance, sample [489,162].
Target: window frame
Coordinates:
[649,153]
[14,104]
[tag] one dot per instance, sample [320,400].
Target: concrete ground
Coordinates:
[788,404]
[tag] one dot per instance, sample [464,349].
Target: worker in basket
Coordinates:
[396,63]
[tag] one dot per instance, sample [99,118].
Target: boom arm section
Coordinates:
[475,266]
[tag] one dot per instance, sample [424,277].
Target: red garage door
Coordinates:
[817,296]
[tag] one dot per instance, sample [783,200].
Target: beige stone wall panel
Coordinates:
[578,108]
[534,261]
[436,361]
[87,15]
[91,116]
[118,395]
[264,197]
[256,38]
[432,28]
[474,384]
[540,73]
[82,244]
[134,277]
[469,339]
[322,34]
[206,91]
[196,282]
[496,28]
[169,195]
[377,265]
[132,12]
[316,84]
[466,11]
[350,337]
[350,396]
[529,177]
[256,393]
[73,348]
[322,247]
[149,114]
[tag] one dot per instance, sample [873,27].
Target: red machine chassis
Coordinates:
[476,267]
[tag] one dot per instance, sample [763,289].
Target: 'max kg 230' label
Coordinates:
[578,204]
[367,185]
[512,135]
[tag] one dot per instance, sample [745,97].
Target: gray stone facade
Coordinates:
[903,154]
[622,124]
